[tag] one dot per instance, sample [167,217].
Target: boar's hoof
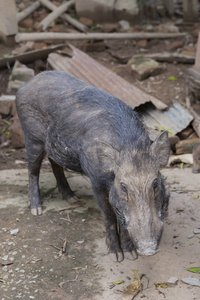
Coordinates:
[116,257]
[36,211]
[131,255]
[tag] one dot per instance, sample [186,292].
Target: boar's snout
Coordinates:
[147,249]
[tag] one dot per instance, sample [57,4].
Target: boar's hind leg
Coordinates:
[126,244]
[63,186]
[35,156]
[110,221]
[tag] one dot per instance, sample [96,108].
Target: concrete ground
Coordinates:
[33,265]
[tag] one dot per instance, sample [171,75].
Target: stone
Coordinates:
[172,281]
[14,85]
[126,10]
[27,23]
[167,27]
[5,108]
[16,134]
[175,45]
[86,21]
[95,46]
[124,25]
[21,72]
[144,67]
[142,44]
[109,27]
[191,281]
[102,11]
[197,231]
[97,10]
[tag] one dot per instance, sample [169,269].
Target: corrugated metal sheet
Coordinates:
[87,69]
[176,118]
[155,112]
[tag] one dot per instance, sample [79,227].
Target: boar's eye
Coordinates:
[124,188]
[155,184]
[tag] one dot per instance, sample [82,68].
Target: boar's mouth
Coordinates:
[147,251]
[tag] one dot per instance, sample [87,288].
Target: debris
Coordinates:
[41,36]
[191,281]
[132,290]
[17,136]
[26,12]
[20,74]
[8,20]
[186,146]
[144,67]
[64,245]
[30,56]
[85,68]
[172,281]
[72,206]
[124,26]
[162,285]
[14,231]
[80,242]
[194,270]
[65,17]
[172,57]
[190,236]
[61,284]
[190,11]
[176,117]
[23,48]
[56,13]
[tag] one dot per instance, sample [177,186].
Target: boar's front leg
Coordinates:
[63,186]
[110,221]
[35,153]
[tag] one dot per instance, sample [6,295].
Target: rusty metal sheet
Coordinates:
[176,118]
[87,69]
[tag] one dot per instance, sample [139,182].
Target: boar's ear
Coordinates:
[160,148]
[107,156]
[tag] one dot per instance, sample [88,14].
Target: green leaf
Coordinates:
[172,78]
[7,122]
[197,197]
[118,282]
[181,165]
[194,270]
[7,133]
[6,55]
[170,131]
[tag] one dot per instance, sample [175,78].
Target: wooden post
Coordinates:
[197,60]
[190,11]
[8,21]
[169,5]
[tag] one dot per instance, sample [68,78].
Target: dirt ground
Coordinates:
[32,263]
[34,267]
